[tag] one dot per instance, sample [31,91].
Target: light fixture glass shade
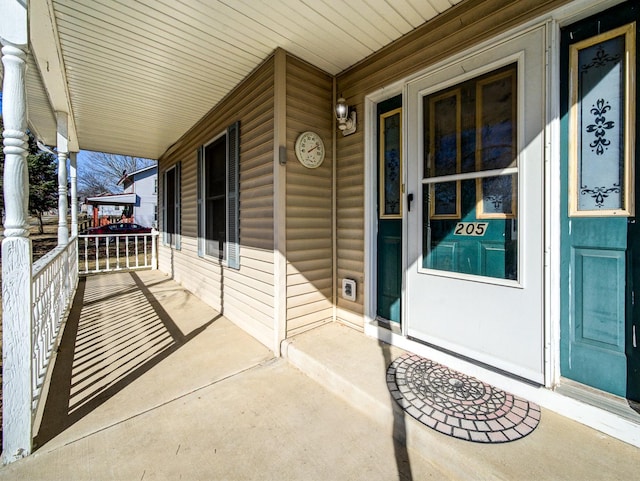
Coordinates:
[342,110]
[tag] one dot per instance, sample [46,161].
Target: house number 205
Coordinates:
[477,229]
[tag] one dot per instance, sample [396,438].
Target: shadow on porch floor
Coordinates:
[120,328]
[150,383]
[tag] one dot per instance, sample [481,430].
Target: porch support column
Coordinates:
[63,153]
[73,172]
[279,201]
[17,421]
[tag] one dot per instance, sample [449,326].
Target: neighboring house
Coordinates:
[144,184]
[138,203]
[107,208]
[481,214]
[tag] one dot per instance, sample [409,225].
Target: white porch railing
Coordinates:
[53,285]
[109,252]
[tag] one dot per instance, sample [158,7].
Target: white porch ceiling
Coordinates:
[140,73]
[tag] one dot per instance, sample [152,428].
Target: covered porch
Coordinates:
[130,79]
[151,383]
[140,360]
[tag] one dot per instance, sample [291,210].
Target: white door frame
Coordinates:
[593,416]
[500,322]
[399,337]
[554,20]
[370,212]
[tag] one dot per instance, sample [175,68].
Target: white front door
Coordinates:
[475,231]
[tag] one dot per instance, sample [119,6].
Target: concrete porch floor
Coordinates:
[150,383]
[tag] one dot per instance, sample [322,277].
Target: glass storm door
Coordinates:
[475,234]
[389,240]
[600,236]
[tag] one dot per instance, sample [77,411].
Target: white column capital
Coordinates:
[62,138]
[13,23]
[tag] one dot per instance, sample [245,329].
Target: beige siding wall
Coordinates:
[248,292]
[452,32]
[308,200]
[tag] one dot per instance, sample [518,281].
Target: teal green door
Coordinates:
[600,239]
[389,238]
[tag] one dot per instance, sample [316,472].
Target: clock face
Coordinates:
[310,149]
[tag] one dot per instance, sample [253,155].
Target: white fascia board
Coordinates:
[46,51]
[116,199]
[139,171]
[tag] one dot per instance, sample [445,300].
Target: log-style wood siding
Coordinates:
[308,200]
[459,28]
[246,295]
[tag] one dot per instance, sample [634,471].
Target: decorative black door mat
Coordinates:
[459,405]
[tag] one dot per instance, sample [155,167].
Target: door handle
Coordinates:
[409,200]
[631,220]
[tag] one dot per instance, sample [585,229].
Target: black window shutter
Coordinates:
[200,213]
[178,218]
[233,194]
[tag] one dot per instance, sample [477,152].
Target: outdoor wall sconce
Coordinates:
[346,119]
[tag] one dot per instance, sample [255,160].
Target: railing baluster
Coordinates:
[154,248]
[97,254]
[86,254]
[118,252]
[53,285]
[146,261]
[136,242]
[106,250]
[126,249]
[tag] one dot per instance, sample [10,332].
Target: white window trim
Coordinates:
[202,216]
[177,234]
[231,253]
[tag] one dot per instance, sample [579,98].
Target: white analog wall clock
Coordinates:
[310,149]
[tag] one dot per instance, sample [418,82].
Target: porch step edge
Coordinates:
[439,451]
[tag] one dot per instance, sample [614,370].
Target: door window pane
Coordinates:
[496,121]
[444,123]
[600,126]
[391,164]
[445,200]
[496,197]
[470,218]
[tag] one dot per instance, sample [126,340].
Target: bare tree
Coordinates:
[99,172]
